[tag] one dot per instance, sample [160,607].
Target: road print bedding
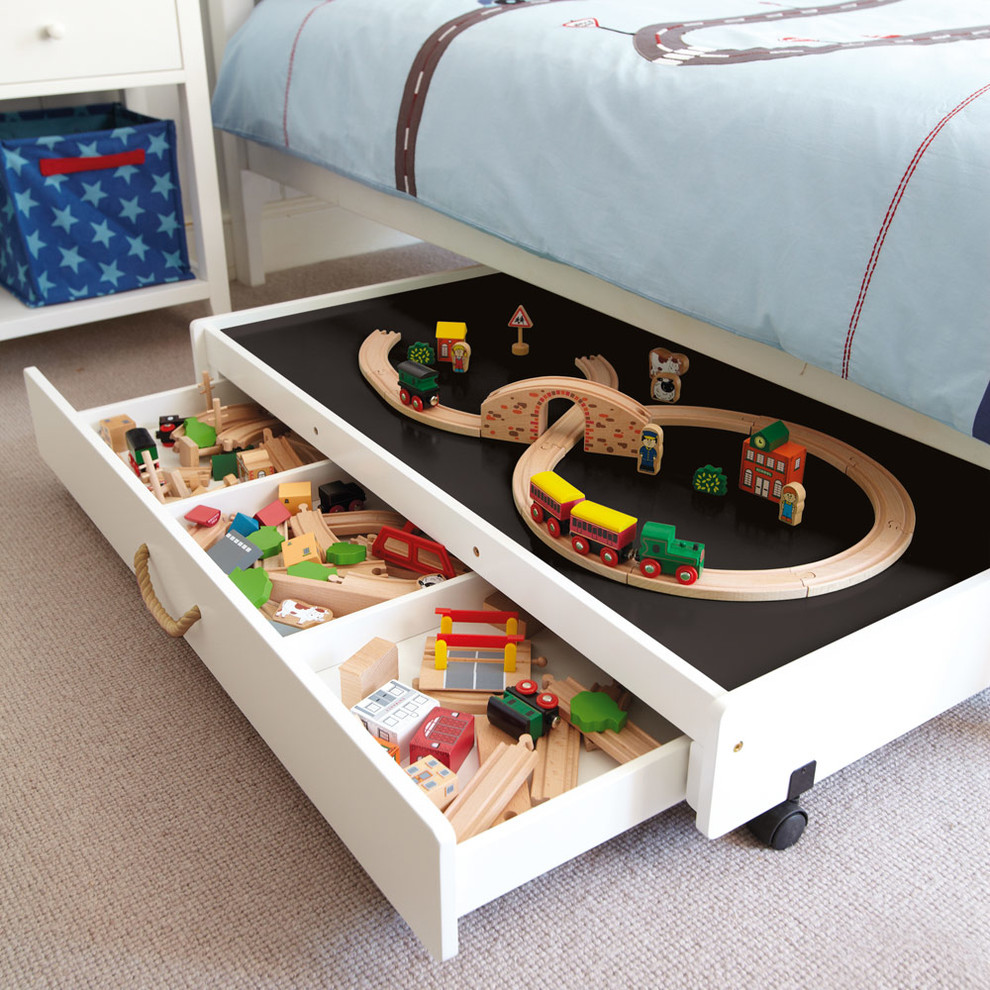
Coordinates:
[815,178]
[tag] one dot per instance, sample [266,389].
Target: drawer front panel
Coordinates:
[66,39]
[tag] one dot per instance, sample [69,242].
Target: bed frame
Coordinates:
[249,165]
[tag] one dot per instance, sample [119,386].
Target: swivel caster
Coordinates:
[780,827]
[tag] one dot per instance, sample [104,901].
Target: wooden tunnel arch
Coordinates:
[613,422]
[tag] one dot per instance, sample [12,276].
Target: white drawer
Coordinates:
[866,674]
[289,689]
[65,39]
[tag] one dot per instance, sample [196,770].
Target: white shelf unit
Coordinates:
[67,49]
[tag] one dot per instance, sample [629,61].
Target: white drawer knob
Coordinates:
[55,30]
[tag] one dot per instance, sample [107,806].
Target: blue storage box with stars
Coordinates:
[89,203]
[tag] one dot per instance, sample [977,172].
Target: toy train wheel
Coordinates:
[686,574]
[547,700]
[553,526]
[536,511]
[649,567]
[610,556]
[417,403]
[527,687]
[405,396]
[580,545]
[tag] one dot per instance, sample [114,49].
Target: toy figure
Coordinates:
[791,506]
[650,449]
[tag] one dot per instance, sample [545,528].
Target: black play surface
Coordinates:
[730,642]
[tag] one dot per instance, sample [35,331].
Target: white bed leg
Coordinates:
[249,260]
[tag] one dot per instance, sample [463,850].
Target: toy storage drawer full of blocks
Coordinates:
[89,203]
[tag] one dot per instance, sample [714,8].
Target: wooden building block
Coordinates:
[491,788]
[375,664]
[436,780]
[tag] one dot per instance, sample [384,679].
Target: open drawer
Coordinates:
[774,695]
[289,688]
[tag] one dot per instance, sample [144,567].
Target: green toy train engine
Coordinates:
[660,552]
[524,710]
[417,385]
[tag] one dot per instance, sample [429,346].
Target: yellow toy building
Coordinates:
[448,335]
[300,548]
[295,495]
[438,782]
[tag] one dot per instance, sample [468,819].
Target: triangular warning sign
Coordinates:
[520,318]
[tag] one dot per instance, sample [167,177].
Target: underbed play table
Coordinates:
[754,701]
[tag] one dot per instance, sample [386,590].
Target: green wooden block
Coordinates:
[268,540]
[310,569]
[223,464]
[346,553]
[595,711]
[255,583]
[200,434]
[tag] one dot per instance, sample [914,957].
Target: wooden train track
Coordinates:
[373,359]
[887,539]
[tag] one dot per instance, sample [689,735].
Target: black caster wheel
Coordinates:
[780,827]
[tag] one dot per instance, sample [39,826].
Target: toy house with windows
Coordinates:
[394,713]
[449,336]
[770,460]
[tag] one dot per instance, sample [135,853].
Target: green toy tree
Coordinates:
[710,480]
[422,352]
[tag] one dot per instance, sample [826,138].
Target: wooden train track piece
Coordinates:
[342,594]
[622,746]
[376,368]
[556,770]
[490,790]
[373,359]
[488,737]
[888,538]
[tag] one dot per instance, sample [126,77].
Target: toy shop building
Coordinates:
[770,460]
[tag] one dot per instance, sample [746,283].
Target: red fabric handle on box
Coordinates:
[62,166]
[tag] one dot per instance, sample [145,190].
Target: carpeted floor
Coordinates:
[148,838]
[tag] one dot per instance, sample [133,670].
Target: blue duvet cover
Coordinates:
[815,178]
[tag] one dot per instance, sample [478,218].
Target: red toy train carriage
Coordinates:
[553,499]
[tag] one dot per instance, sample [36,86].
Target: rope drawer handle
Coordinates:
[174,627]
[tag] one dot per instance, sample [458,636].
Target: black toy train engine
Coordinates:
[524,710]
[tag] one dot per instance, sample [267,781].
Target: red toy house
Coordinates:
[770,460]
[446,735]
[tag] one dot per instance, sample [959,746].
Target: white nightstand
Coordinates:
[66,47]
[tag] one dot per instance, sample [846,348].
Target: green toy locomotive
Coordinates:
[417,385]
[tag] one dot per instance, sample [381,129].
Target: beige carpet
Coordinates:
[149,838]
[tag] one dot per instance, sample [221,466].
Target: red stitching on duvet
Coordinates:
[292,59]
[888,219]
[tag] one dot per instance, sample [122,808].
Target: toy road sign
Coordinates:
[520,318]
